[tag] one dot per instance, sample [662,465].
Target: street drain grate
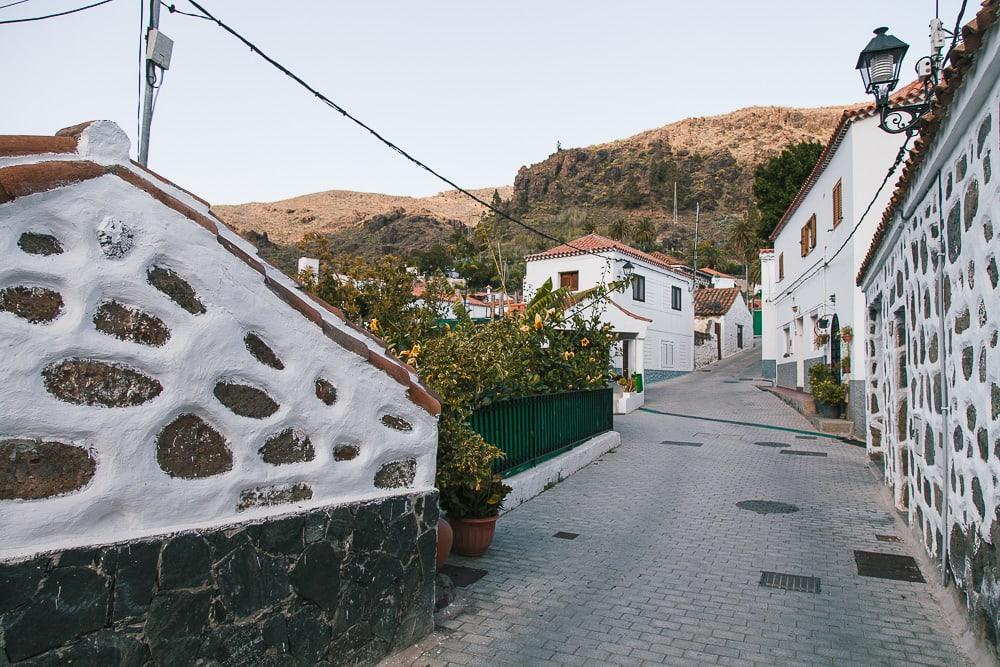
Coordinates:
[462,576]
[887,566]
[767,507]
[566,536]
[789,582]
[769,443]
[802,452]
[731,381]
[806,437]
[887,538]
[749,379]
[682,443]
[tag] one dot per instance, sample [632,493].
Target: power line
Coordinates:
[357,121]
[173,10]
[11,4]
[52,16]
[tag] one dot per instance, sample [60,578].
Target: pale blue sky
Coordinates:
[474,88]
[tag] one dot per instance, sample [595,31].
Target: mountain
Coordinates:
[710,160]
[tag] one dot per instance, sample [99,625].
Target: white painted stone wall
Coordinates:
[130,495]
[934,456]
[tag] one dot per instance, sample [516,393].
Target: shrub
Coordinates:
[824,385]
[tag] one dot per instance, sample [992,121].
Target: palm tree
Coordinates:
[745,242]
[620,229]
[644,234]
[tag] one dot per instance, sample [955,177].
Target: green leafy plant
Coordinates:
[627,384]
[821,340]
[824,385]
[847,334]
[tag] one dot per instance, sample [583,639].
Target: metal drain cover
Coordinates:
[802,452]
[566,536]
[731,381]
[682,443]
[887,566]
[806,437]
[789,582]
[769,443]
[887,538]
[461,575]
[767,507]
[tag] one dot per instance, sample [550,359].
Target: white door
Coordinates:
[667,357]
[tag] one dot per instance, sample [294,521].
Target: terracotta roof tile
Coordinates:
[961,60]
[15,146]
[709,302]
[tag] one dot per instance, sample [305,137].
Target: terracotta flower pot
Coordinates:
[473,536]
[444,540]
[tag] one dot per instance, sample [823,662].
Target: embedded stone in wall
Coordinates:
[35,304]
[961,167]
[954,233]
[325,391]
[244,400]
[281,494]
[345,452]
[971,203]
[190,448]
[984,132]
[962,321]
[100,383]
[396,423]
[115,237]
[396,474]
[130,324]
[176,288]
[262,352]
[31,469]
[991,271]
[39,244]
[289,446]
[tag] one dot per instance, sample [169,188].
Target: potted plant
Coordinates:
[845,365]
[821,340]
[828,393]
[473,511]
[846,334]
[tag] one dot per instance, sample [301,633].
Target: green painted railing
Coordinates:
[533,429]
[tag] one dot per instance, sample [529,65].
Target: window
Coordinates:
[807,236]
[570,279]
[638,288]
[675,298]
[838,204]
[788,341]
[781,266]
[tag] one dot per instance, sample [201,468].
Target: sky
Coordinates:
[475,89]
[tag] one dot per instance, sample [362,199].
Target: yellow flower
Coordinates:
[525,328]
[538,322]
[568,354]
[373,325]
[585,342]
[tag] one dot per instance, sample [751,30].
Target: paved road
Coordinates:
[666,568]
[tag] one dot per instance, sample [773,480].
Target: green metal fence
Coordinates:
[533,429]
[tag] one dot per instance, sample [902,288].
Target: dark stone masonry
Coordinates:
[38,305]
[130,324]
[176,288]
[262,352]
[39,244]
[32,469]
[244,400]
[339,586]
[100,383]
[189,448]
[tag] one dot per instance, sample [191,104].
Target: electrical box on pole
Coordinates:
[159,48]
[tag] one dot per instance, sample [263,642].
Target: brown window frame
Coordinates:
[807,236]
[781,266]
[575,275]
[838,203]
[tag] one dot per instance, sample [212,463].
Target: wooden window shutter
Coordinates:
[838,203]
[781,266]
[812,232]
[804,240]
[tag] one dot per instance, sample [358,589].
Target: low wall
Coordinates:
[859,415]
[651,376]
[787,375]
[344,585]
[529,483]
[768,369]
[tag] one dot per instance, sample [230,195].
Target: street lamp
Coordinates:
[627,270]
[880,63]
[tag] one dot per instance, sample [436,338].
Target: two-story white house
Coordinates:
[808,290]
[654,316]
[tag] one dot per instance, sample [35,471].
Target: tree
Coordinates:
[777,181]
[620,230]
[744,242]
[644,234]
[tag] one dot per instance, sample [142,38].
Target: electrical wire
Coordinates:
[357,121]
[11,4]
[825,263]
[52,16]
[173,10]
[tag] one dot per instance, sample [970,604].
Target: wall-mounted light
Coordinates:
[628,269]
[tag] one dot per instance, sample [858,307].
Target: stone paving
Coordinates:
[666,568]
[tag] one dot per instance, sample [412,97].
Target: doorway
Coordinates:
[835,346]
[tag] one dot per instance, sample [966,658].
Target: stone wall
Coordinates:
[341,585]
[768,369]
[856,406]
[915,374]
[788,374]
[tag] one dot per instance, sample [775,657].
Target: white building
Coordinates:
[933,291]
[654,317]
[808,279]
[723,324]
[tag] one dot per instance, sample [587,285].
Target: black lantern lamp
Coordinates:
[627,270]
[879,64]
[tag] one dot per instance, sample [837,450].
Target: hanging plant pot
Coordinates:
[445,536]
[473,536]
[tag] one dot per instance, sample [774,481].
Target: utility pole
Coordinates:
[159,48]
[697,219]
[675,203]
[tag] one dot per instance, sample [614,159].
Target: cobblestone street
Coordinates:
[667,568]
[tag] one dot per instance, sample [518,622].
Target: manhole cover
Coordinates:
[767,507]
[887,566]
[887,538]
[681,443]
[789,582]
[461,575]
[806,437]
[566,536]
[731,381]
[770,443]
[801,452]
[749,379]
